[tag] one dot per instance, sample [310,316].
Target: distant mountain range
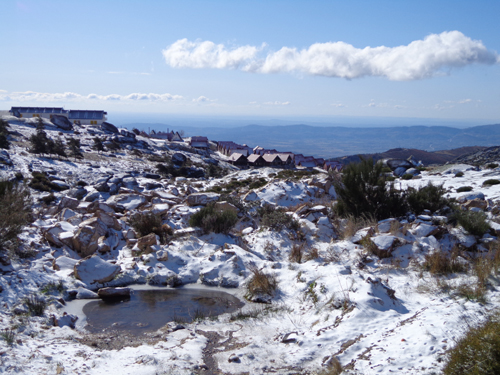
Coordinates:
[332,142]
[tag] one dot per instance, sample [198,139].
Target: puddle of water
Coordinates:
[149,310]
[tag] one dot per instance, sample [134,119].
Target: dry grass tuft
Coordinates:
[352,224]
[440,263]
[297,253]
[262,283]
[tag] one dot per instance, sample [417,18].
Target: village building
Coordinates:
[199,142]
[87,117]
[43,112]
[332,166]
[169,136]
[256,160]
[238,160]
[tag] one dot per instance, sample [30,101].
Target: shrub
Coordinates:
[295,174]
[407,176]
[145,223]
[277,218]
[42,183]
[36,306]
[261,283]
[473,222]
[429,197]
[478,352]
[334,368]
[211,219]
[297,253]
[362,191]
[491,182]
[459,174]
[48,199]
[492,165]
[440,263]
[4,133]
[15,212]
[463,189]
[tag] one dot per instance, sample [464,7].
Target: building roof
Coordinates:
[270,158]
[38,110]
[254,157]
[86,115]
[199,139]
[236,156]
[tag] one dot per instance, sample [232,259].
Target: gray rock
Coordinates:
[109,128]
[61,122]
[399,171]
[92,196]
[396,163]
[202,199]
[413,171]
[77,193]
[95,270]
[103,187]
[178,158]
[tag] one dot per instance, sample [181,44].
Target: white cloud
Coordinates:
[203,99]
[31,96]
[276,103]
[417,60]
[338,105]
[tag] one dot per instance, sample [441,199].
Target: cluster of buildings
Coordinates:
[239,155]
[76,117]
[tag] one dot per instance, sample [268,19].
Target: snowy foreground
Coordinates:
[376,316]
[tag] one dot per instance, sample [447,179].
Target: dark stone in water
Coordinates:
[149,310]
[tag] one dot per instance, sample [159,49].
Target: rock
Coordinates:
[361,234]
[477,203]
[125,133]
[114,293]
[399,171]
[162,255]
[61,122]
[471,196]
[77,193]
[91,197]
[424,230]
[67,214]
[160,209]
[202,199]
[100,206]
[233,358]
[384,226]
[398,163]
[83,293]
[94,269]
[178,158]
[102,187]
[109,220]
[64,320]
[67,202]
[165,277]
[122,202]
[385,244]
[413,171]
[223,206]
[144,243]
[152,185]
[289,338]
[109,128]
[85,241]
[152,176]
[61,184]
[462,238]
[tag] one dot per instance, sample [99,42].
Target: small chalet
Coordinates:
[256,160]
[332,165]
[307,162]
[169,136]
[286,159]
[238,159]
[199,142]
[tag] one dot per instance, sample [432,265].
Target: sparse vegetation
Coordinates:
[474,222]
[41,182]
[148,222]
[490,182]
[492,165]
[478,351]
[442,263]
[212,219]
[261,283]
[277,218]
[464,189]
[15,212]
[430,197]
[4,133]
[295,174]
[9,335]
[297,253]
[236,184]
[459,174]
[36,305]
[407,176]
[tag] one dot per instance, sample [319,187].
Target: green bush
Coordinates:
[491,182]
[48,199]
[407,176]
[145,223]
[211,219]
[15,212]
[4,133]
[463,189]
[42,183]
[478,352]
[473,222]
[429,197]
[459,174]
[492,165]
[363,191]
[277,218]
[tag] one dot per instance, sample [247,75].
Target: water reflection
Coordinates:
[149,310]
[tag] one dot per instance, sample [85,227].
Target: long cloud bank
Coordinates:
[32,96]
[420,59]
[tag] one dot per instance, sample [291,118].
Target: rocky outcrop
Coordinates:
[95,270]
[202,199]
[61,122]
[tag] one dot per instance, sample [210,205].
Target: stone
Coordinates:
[114,292]
[122,202]
[102,246]
[178,158]
[67,202]
[66,319]
[477,203]
[464,239]
[385,244]
[413,171]
[102,187]
[77,193]
[100,206]
[399,171]
[144,243]
[152,176]
[384,226]
[165,277]
[162,255]
[424,230]
[109,220]
[64,263]
[361,234]
[160,209]
[61,184]
[202,199]
[83,293]
[85,241]
[108,127]
[398,163]
[95,270]
[93,196]
[471,196]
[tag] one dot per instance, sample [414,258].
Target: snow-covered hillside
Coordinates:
[334,300]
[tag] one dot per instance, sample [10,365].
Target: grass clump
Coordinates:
[490,182]
[440,263]
[36,305]
[478,352]
[15,212]
[212,219]
[277,218]
[148,222]
[474,222]
[464,189]
[407,176]
[9,335]
[261,283]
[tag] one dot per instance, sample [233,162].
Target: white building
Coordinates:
[75,116]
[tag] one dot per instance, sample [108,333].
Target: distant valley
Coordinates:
[332,142]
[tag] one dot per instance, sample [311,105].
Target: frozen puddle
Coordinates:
[150,309]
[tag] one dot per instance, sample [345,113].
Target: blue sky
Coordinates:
[291,59]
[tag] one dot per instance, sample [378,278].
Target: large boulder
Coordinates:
[61,122]
[397,163]
[95,270]
[202,199]
[109,128]
[126,202]
[86,239]
[178,158]
[114,293]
